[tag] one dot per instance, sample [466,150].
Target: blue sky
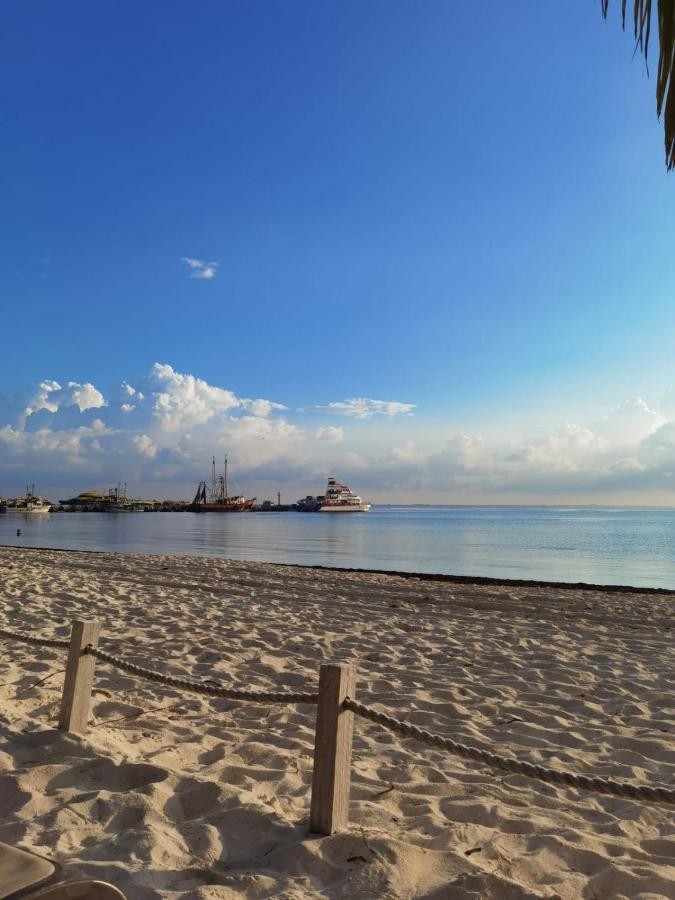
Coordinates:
[462,212]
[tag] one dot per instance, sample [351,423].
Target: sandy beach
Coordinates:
[176,796]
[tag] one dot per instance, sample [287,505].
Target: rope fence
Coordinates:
[36,641]
[515,766]
[200,687]
[336,708]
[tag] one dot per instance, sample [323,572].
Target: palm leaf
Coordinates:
[665,78]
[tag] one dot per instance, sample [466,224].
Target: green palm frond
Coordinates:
[665,81]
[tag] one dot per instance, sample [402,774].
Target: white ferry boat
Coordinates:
[339,498]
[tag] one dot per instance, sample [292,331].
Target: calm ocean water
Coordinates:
[606,546]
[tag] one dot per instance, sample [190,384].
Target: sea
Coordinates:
[628,546]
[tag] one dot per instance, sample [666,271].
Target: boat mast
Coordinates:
[225,478]
[213,477]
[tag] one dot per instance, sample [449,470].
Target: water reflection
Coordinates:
[628,546]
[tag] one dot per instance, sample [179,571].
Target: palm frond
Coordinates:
[665,78]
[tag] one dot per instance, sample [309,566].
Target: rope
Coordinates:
[39,642]
[656,793]
[199,687]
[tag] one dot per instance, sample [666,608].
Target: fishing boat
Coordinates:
[340,498]
[31,503]
[216,498]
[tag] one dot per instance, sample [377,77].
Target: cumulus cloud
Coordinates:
[49,396]
[330,434]
[364,408]
[68,446]
[404,453]
[261,407]
[182,401]
[200,269]
[127,390]
[178,420]
[165,425]
[44,396]
[145,445]
[563,448]
[84,396]
[629,422]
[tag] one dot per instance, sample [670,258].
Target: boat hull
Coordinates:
[246,506]
[356,507]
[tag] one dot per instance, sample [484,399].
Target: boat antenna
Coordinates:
[213,475]
[225,477]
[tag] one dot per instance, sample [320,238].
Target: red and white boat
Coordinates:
[216,498]
[339,498]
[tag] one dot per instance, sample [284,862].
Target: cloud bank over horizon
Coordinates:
[158,432]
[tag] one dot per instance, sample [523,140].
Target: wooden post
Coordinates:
[76,699]
[332,750]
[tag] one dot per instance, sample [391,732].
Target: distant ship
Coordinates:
[339,498]
[31,503]
[216,498]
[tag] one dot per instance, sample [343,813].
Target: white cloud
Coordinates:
[261,407]
[50,396]
[183,401]
[165,426]
[564,448]
[629,464]
[84,396]
[629,422]
[257,441]
[659,447]
[145,445]
[364,408]
[330,434]
[42,398]
[405,453]
[461,453]
[209,271]
[71,445]
[200,269]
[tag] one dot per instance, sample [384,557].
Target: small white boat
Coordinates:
[340,498]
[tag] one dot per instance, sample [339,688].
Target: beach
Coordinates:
[173,795]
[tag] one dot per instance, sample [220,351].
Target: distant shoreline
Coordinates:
[376,505]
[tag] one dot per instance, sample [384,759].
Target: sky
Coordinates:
[424,247]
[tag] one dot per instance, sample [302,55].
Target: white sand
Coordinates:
[210,799]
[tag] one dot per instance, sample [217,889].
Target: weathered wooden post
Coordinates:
[76,699]
[331,777]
